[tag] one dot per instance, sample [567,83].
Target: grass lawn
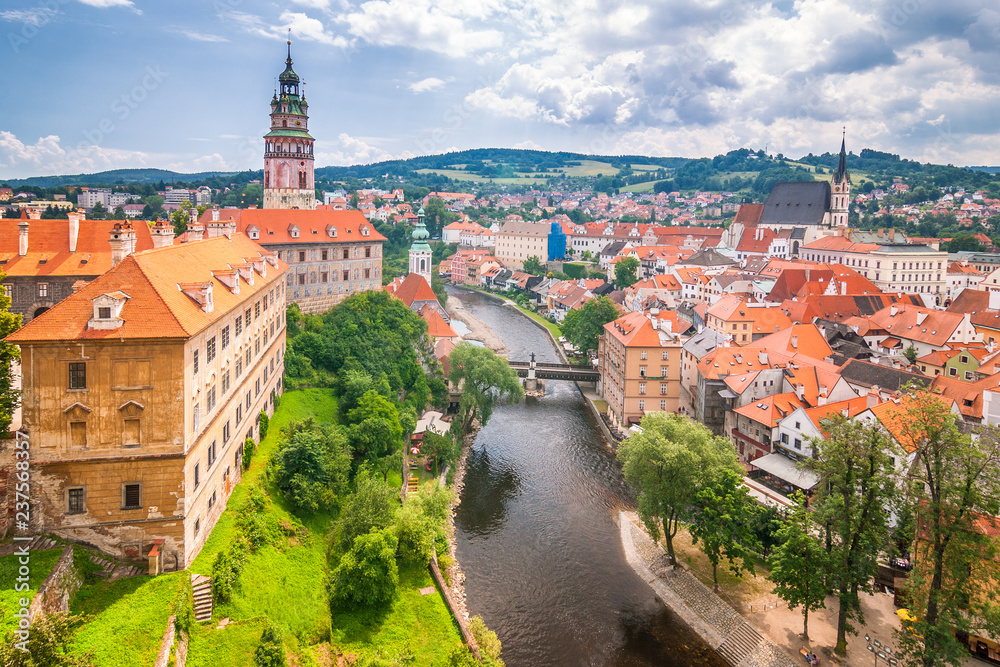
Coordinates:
[645,186]
[553,328]
[602,406]
[233,646]
[295,405]
[41,564]
[415,625]
[128,617]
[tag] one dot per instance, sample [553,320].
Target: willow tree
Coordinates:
[485,381]
[853,503]
[954,495]
[668,463]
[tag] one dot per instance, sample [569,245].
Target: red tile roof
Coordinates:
[274,225]
[48,242]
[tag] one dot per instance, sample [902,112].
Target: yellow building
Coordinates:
[139,389]
[640,365]
[517,241]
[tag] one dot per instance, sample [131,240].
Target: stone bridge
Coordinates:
[535,370]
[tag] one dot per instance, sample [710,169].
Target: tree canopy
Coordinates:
[583,326]
[798,564]
[626,272]
[486,381]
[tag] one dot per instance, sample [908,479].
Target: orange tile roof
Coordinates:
[48,242]
[853,407]
[968,395]
[412,287]
[892,415]
[770,409]
[156,307]
[935,329]
[274,225]
[436,326]
[804,339]
[633,330]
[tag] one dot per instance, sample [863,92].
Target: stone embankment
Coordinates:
[718,624]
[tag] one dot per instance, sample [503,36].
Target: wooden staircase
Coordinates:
[202,586]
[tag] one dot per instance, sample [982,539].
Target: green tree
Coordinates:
[10,396]
[721,527]
[626,272]
[798,564]
[534,266]
[367,575]
[99,212]
[270,652]
[667,464]
[911,354]
[853,500]
[583,326]
[956,483]
[487,641]
[486,381]
[374,429]
[438,449]
[961,242]
[49,644]
[312,468]
[371,506]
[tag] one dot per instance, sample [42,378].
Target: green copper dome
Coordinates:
[420,234]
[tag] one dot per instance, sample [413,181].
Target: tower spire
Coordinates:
[841,173]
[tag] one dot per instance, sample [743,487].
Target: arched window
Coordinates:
[423,264]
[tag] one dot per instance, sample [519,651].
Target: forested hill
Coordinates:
[743,170]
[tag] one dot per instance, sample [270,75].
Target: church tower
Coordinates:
[841,199]
[420,252]
[288,148]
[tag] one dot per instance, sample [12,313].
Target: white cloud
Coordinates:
[196,36]
[426,85]
[447,28]
[105,4]
[37,16]
[213,162]
[48,156]
[301,26]
[528,145]
[348,150]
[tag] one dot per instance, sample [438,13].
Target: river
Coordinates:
[536,532]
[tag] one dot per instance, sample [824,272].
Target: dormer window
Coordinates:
[364,231]
[253,232]
[293,231]
[107,311]
[331,231]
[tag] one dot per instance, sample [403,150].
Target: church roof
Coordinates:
[802,203]
[414,288]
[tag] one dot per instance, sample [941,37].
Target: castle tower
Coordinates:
[841,199]
[288,148]
[420,252]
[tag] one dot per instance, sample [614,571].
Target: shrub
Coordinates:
[226,570]
[248,446]
[414,533]
[264,422]
[312,468]
[270,652]
[489,644]
[371,506]
[367,574]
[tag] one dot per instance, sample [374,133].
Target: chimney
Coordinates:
[122,242]
[162,233]
[795,342]
[215,213]
[893,310]
[34,214]
[22,238]
[872,399]
[195,231]
[762,357]
[921,316]
[74,227]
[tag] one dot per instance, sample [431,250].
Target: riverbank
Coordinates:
[477,330]
[718,624]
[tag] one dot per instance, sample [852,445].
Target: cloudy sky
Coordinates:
[100,84]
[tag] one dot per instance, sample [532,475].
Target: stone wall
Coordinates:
[467,635]
[58,588]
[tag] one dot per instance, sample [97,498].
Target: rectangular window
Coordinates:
[78,375]
[239,325]
[663,371]
[368,273]
[256,310]
[247,318]
[257,388]
[302,255]
[225,337]
[197,416]
[798,444]
[249,351]
[642,354]
[256,346]
[248,401]
[663,405]
[104,313]
[664,355]
[663,389]
[211,454]
[210,400]
[239,366]
[368,251]
[43,289]
[131,496]
[784,438]
[642,387]
[324,255]
[347,274]
[197,475]
[642,405]
[197,525]
[345,253]
[225,382]
[969,375]
[302,278]
[76,500]
[210,350]
[78,434]
[239,414]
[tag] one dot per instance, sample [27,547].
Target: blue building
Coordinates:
[557,242]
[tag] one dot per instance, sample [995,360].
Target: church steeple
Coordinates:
[289,179]
[420,251]
[841,190]
[841,173]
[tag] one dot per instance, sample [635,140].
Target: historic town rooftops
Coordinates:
[866,374]
[633,330]
[276,225]
[770,409]
[749,214]
[925,325]
[411,288]
[797,203]
[803,339]
[702,343]
[49,247]
[708,257]
[171,293]
[967,395]
[516,228]
[436,325]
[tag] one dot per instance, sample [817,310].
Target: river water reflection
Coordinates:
[536,533]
